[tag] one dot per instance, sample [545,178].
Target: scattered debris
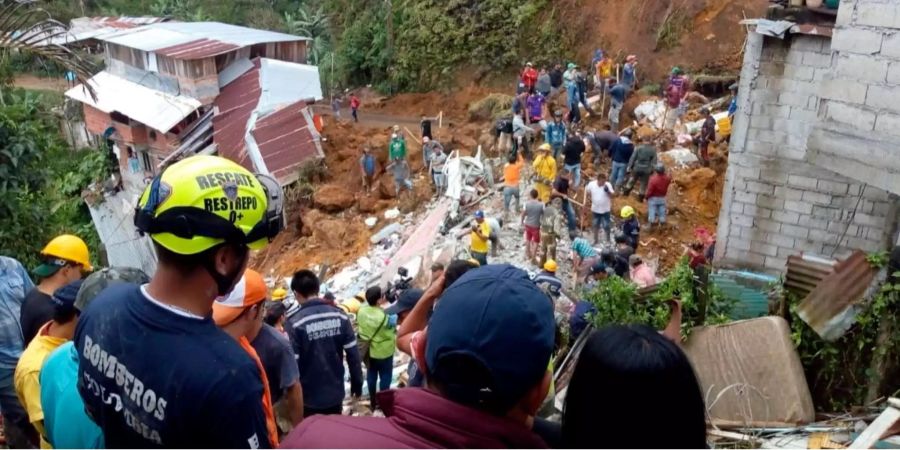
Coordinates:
[392,214]
[831,308]
[371,221]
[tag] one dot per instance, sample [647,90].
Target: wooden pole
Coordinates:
[412,135]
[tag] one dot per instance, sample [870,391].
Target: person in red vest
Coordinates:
[354,107]
[529,77]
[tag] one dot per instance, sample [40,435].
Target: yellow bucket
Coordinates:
[723,126]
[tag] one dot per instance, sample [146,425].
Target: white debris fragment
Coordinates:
[364,263]
[653,110]
[392,214]
[680,156]
[371,221]
[384,233]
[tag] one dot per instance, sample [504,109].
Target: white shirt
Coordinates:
[601,202]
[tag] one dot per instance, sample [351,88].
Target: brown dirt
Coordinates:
[40,83]
[711,41]
[333,198]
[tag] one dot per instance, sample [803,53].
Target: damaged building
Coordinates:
[171,90]
[812,167]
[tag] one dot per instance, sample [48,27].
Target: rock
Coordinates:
[371,221]
[367,204]
[386,188]
[333,198]
[324,228]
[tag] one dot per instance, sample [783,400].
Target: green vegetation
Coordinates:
[491,107]
[41,179]
[673,27]
[617,301]
[847,372]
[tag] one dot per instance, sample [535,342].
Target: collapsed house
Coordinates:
[171,90]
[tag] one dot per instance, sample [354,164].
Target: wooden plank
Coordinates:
[885,421]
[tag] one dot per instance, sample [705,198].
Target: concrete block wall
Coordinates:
[862,96]
[776,203]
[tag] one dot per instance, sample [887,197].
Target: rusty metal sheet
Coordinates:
[831,308]
[804,273]
[200,48]
[285,137]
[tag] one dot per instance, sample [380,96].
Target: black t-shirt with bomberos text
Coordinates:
[154,377]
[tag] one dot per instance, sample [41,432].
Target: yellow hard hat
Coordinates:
[279,294]
[545,147]
[626,212]
[550,266]
[351,305]
[202,201]
[70,248]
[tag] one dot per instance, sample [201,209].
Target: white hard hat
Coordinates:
[394,135]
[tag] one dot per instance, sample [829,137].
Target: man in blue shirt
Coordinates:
[732,107]
[14,285]
[154,369]
[66,423]
[322,335]
[620,153]
[617,94]
[555,133]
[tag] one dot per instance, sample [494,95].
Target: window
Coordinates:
[119,117]
[166,65]
[132,57]
[145,161]
[152,135]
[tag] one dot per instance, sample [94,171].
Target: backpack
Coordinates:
[364,345]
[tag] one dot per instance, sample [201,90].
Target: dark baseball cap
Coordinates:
[64,298]
[103,278]
[490,338]
[406,302]
[598,267]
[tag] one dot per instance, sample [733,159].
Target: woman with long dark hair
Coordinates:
[633,388]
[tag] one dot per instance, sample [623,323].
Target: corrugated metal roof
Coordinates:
[284,136]
[150,107]
[805,272]
[286,82]
[831,308]
[166,36]
[201,48]
[286,139]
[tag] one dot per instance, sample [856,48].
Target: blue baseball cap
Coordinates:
[479,214]
[64,298]
[490,338]
[406,302]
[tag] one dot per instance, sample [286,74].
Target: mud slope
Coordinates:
[705,36]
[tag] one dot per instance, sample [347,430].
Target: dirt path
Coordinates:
[375,120]
[40,83]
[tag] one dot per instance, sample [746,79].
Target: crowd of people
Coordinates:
[203,352]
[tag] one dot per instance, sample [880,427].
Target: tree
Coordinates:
[314,25]
[28,29]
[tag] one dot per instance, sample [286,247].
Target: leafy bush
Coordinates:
[41,180]
[839,372]
[617,302]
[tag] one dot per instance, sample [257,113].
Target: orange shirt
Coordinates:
[512,173]
[271,425]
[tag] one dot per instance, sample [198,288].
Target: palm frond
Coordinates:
[29,29]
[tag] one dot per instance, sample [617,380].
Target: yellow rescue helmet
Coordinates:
[545,147]
[203,201]
[279,294]
[551,266]
[626,212]
[350,305]
[70,248]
